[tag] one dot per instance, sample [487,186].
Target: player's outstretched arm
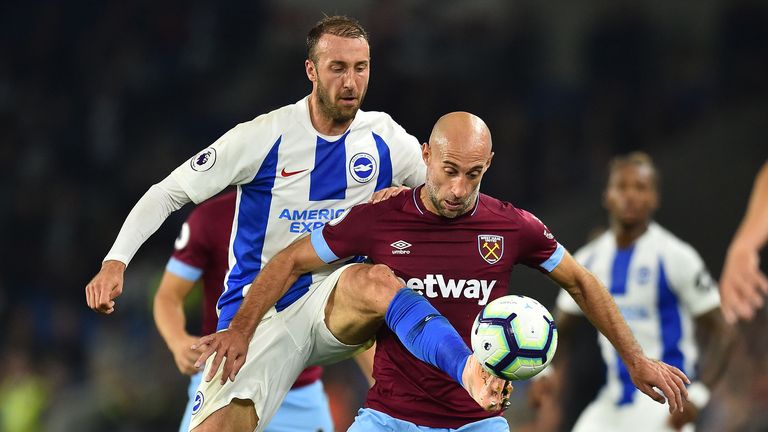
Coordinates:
[600,309]
[144,219]
[272,282]
[742,284]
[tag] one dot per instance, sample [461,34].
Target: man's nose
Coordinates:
[459,187]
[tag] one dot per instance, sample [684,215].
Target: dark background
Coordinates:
[99,100]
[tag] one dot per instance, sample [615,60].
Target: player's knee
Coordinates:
[380,284]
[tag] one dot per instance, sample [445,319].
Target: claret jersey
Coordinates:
[291,180]
[459,264]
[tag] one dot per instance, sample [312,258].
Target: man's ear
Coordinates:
[311,69]
[425,153]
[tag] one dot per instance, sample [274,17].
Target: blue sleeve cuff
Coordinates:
[321,247]
[554,259]
[183,270]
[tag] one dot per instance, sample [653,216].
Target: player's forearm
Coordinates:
[602,312]
[715,339]
[169,318]
[146,217]
[273,281]
[753,231]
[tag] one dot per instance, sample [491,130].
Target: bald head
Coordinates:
[457,156]
[461,132]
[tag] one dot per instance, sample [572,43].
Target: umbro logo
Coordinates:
[400,247]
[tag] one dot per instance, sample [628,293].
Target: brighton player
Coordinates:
[664,292]
[452,250]
[201,253]
[295,168]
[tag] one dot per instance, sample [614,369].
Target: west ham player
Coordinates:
[295,168]
[453,249]
[201,252]
[664,292]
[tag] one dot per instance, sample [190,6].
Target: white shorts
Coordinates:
[642,415]
[284,344]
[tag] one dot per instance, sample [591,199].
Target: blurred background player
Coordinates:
[664,292]
[742,284]
[201,253]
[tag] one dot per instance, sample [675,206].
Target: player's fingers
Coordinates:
[211,348]
[679,387]
[215,363]
[651,393]
[238,363]
[89,295]
[203,342]
[680,374]
[762,282]
[672,397]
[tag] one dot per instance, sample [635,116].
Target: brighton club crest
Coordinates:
[491,247]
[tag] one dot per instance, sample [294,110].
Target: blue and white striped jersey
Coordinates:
[659,283]
[291,180]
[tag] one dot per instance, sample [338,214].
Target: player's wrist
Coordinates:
[113,265]
[698,394]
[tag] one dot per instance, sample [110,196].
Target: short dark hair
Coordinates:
[337,25]
[635,158]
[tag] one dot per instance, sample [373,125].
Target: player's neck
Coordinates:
[626,235]
[324,124]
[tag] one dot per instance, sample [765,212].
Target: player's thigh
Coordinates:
[359,301]
[328,346]
[303,409]
[276,356]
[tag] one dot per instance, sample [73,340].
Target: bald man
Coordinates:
[442,251]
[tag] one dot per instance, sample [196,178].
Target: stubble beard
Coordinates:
[333,111]
[437,203]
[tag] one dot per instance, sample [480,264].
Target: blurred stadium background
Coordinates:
[98,100]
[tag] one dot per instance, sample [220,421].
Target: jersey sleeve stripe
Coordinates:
[321,247]
[183,270]
[554,259]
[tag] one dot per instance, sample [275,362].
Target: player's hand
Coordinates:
[105,287]
[385,194]
[648,374]
[230,346]
[679,419]
[184,355]
[541,390]
[490,392]
[742,284]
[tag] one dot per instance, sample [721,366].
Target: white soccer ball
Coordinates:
[514,337]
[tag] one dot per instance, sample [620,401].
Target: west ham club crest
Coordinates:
[491,247]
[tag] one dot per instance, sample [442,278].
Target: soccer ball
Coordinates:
[514,337]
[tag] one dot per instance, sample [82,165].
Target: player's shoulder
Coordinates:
[273,121]
[384,125]
[600,244]
[670,245]
[506,210]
